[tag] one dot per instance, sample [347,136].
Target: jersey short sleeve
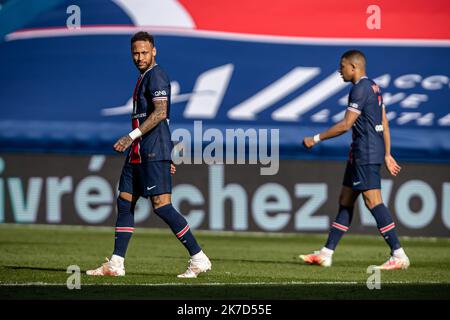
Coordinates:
[357,99]
[159,87]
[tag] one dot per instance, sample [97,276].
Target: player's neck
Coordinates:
[358,77]
[151,66]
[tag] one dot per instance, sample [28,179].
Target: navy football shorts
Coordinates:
[146,179]
[362,177]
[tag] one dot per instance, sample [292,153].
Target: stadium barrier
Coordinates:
[302,197]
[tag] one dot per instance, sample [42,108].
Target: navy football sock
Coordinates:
[386,226]
[179,227]
[124,226]
[339,226]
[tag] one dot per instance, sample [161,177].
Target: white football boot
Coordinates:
[395,263]
[107,269]
[196,266]
[317,258]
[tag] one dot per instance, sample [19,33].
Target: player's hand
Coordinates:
[173,169]
[123,143]
[392,165]
[308,142]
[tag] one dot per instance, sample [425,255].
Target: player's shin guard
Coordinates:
[124,226]
[179,227]
[339,226]
[386,226]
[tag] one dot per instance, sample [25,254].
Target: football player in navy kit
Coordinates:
[371,146]
[147,169]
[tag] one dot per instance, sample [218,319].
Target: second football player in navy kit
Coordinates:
[147,169]
[371,147]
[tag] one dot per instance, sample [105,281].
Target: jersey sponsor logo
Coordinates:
[379,128]
[353,105]
[139,115]
[160,93]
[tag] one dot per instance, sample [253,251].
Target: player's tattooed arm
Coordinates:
[123,143]
[159,114]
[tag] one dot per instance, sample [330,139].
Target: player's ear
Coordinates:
[154,52]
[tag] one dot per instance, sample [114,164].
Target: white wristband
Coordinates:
[136,133]
[317,138]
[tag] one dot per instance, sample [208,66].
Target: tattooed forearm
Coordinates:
[155,117]
[159,114]
[123,143]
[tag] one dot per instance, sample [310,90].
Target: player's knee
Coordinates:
[160,200]
[126,196]
[345,203]
[347,197]
[371,202]
[372,198]
[345,200]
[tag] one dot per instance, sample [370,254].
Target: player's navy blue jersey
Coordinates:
[368,142]
[155,145]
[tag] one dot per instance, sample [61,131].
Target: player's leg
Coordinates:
[340,225]
[126,203]
[160,182]
[386,226]
[199,262]
[163,208]
[343,219]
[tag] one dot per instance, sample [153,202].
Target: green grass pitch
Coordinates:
[34,261]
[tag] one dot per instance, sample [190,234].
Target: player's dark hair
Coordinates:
[143,36]
[354,55]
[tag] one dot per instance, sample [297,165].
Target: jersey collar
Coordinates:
[143,74]
[363,77]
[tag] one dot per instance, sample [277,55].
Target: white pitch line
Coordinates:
[180,284]
[174,284]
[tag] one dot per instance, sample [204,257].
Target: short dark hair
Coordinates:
[353,55]
[143,36]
